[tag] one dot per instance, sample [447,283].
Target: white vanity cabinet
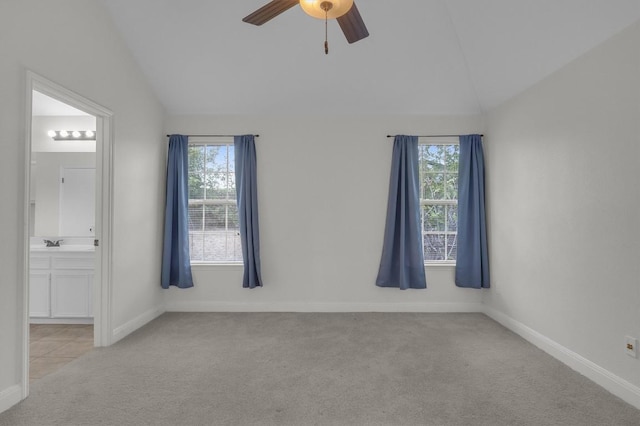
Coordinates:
[60,284]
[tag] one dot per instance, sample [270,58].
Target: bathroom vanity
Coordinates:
[61,284]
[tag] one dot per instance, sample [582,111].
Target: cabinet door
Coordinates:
[39,291]
[71,294]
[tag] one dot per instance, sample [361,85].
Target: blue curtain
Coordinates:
[472,263]
[247,195]
[176,264]
[402,263]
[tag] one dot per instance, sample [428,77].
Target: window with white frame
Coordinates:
[214,229]
[438,200]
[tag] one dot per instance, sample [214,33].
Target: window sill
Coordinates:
[203,265]
[440,264]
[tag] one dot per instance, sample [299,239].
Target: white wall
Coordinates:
[563,169]
[75,44]
[322,187]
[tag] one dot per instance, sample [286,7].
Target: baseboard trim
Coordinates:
[611,382]
[10,397]
[83,321]
[195,306]
[130,326]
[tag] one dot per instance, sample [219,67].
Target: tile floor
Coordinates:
[53,345]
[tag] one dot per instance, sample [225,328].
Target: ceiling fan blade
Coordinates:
[269,11]
[352,25]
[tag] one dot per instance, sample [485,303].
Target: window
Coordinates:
[438,200]
[214,229]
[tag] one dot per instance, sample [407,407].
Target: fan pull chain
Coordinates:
[326,32]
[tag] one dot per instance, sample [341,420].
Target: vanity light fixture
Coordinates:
[72,135]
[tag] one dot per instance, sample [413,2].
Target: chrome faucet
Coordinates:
[54,243]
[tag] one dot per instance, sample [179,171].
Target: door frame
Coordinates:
[102,286]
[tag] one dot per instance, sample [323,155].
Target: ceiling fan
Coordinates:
[344,11]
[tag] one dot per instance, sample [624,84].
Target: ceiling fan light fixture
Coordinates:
[318,8]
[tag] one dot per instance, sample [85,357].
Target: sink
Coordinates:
[77,248]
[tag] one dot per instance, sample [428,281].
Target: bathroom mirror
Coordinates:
[62,184]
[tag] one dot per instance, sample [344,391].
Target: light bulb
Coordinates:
[75,134]
[89,133]
[64,133]
[51,133]
[315,8]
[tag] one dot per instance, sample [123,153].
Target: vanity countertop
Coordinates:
[63,248]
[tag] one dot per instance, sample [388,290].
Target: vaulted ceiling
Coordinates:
[434,57]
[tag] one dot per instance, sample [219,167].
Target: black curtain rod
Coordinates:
[433,136]
[212,136]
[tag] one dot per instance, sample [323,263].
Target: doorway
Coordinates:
[67,229]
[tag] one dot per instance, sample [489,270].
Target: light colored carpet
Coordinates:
[319,369]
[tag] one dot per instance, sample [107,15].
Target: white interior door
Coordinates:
[77,202]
